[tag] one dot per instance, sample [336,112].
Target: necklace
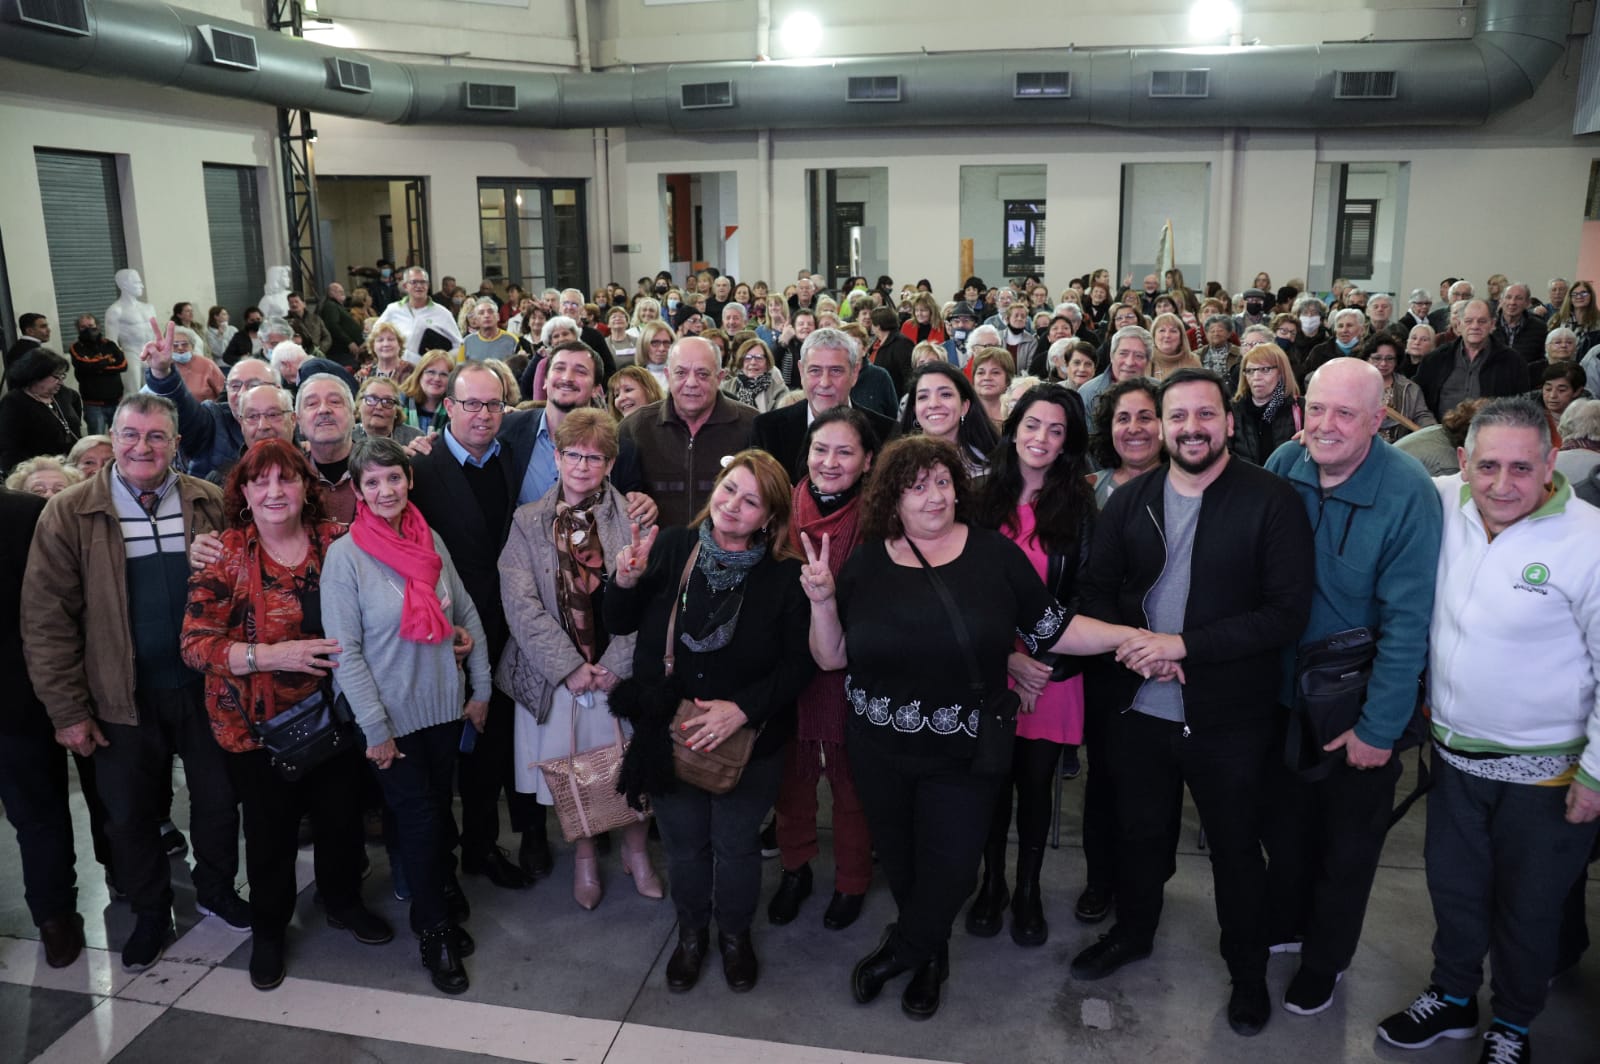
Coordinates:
[303,547]
[61,419]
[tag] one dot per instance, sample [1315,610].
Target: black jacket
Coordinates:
[440,490]
[1503,373]
[782,434]
[894,356]
[1529,342]
[23,713]
[1254,440]
[29,428]
[1251,581]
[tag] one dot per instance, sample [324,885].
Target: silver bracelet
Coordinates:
[250,657]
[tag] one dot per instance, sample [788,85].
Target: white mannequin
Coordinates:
[127,324]
[275,297]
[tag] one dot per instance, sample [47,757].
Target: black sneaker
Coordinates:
[1428,1019]
[229,908]
[368,927]
[1111,952]
[149,941]
[1502,1045]
[1093,905]
[1249,1006]
[1310,992]
[172,841]
[769,840]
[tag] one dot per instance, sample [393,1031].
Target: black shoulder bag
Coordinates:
[997,719]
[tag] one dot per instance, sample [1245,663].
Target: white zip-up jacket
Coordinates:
[1514,647]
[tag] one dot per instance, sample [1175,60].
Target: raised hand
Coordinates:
[157,354]
[635,557]
[816,578]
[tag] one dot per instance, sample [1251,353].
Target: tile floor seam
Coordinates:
[639,993]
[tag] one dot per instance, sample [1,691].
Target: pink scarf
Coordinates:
[410,553]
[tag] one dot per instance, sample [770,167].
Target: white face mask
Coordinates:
[1310,323]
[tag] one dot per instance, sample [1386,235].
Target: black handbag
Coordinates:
[307,734]
[997,719]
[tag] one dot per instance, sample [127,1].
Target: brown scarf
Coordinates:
[822,703]
[582,566]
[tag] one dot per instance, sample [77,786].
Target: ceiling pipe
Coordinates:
[1439,82]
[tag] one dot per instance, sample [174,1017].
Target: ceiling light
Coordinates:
[1210,20]
[801,33]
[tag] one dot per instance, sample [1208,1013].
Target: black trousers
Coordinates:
[484,774]
[134,772]
[713,844]
[929,817]
[1032,779]
[33,788]
[1099,797]
[1225,769]
[1323,843]
[331,794]
[416,788]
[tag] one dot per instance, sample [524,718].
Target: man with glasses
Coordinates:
[683,438]
[107,586]
[417,314]
[211,437]
[1417,311]
[466,486]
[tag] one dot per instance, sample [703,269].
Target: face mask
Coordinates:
[384,273]
[1347,348]
[88,336]
[1283,342]
[1252,306]
[673,304]
[1310,323]
[182,356]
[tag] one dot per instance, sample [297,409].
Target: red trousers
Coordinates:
[797,818]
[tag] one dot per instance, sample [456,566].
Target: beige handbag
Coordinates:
[585,786]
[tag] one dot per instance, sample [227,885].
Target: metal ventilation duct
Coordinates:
[1451,82]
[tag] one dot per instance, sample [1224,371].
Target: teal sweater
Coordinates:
[1377,542]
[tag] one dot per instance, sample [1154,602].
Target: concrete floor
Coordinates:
[554,983]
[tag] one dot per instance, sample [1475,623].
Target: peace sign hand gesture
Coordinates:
[635,557]
[816,578]
[157,354]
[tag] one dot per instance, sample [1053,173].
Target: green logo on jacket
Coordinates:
[1536,574]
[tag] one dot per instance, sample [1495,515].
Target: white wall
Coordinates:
[984,190]
[162,138]
[1154,194]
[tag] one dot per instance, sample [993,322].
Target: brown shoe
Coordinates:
[62,938]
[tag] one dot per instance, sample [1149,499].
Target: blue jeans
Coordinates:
[417,789]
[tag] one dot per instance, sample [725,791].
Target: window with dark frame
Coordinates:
[1358,232]
[1024,237]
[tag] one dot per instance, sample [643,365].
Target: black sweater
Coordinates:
[1251,579]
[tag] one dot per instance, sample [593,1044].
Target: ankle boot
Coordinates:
[586,888]
[1028,927]
[636,862]
[442,957]
[988,907]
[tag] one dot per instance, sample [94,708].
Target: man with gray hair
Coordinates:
[1380,314]
[326,412]
[1418,311]
[211,436]
[106,585]
[572,307]
[1514,694]
[416,314]
[1515,327]
[830,363]
[1476,364]
[1129,357]
[734,318]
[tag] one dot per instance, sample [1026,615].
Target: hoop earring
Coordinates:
[245,516]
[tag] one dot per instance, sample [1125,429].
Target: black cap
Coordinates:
[962,309]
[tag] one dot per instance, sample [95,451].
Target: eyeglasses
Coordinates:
[255,417]
[132,437]
[1376,359]
[1259,371]
[380,400]
[473,406]
[60,374]
[581,460]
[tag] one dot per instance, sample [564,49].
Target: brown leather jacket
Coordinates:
[75,594]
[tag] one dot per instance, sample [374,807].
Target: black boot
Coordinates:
[793,888]
[921,998]
[989,906]
[683,967]
[1028,927]
[876,969]
[441,955]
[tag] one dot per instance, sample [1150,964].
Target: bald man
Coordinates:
[1378,522]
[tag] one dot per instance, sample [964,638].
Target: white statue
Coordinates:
[275,297]
[127,324]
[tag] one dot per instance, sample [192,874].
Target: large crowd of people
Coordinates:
[731,539]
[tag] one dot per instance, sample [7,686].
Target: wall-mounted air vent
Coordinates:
[705,94]
[58,16]
[350,75]
[873,90]
[1043,84]
[485,96]
[1180,84]
[1364,85]
[236,51]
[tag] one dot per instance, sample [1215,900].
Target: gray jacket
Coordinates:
[395,686]
[540,654]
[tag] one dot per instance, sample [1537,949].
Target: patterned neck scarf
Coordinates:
[725,569]
[1274,403]
[582,567]
[748,389]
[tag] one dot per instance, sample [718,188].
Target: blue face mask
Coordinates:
[1282,341]
[1347,347]
[182,356]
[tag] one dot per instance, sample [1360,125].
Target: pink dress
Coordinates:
[1058,715]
